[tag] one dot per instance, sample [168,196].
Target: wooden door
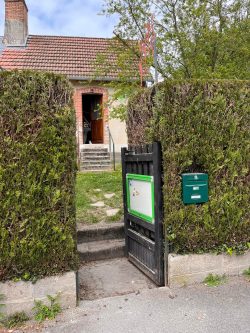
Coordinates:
[97,120]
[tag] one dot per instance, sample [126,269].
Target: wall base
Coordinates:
[184,270]
[20,296]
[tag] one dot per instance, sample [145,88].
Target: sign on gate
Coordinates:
[140,196]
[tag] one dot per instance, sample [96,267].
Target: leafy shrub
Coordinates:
[37,175]
[203,127]
[43,312]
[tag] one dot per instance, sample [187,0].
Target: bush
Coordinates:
[37,175]
[203,127]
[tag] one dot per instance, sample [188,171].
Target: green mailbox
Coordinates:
[194,188]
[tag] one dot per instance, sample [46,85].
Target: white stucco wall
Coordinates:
[117,127]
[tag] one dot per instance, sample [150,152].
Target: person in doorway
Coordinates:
[86,132]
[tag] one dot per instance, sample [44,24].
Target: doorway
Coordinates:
[92,111]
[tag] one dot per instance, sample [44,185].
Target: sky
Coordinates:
[66,18]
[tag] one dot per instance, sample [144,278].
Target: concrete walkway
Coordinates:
[197,309]
[108,278]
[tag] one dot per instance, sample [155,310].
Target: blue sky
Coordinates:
[63,17]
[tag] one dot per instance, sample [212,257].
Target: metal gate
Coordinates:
[144,238]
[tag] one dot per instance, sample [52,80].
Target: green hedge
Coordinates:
[37,175]
[203,127]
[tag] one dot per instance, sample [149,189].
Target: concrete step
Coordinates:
[95,170]
[94,153]
[95,167]
[100,163]
[110,278]
[95,150]
[100,250]
[86,234]
[95,158]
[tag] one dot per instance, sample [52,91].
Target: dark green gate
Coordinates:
[143,234]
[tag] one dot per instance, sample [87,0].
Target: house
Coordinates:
[75,57]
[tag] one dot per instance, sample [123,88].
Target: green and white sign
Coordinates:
[140,196]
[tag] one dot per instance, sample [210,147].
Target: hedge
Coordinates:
[203,127]
[37,175]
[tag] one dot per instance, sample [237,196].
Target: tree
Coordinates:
[195,38]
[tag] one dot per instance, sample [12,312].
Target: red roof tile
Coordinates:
[76,57]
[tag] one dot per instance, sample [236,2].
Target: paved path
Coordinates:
[109,278]
[197,309]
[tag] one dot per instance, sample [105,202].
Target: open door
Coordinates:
[97,120]
[92,119]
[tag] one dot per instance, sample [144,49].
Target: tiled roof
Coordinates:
[77,57]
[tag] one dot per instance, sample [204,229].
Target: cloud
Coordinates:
[69,18]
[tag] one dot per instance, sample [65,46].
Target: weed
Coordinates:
[1,306]
[247,273]
[43,312]
[15,320]
[215,280]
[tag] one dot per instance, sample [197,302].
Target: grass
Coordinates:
[1,306]
[214,280]
[91,188]
[246,273]
[15,320]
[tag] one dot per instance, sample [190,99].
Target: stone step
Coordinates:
[99,232]
[93,163]
[100,250]
[95,150]
[99,158]
[106,169]
[96,157]
[95,170]
[95,153]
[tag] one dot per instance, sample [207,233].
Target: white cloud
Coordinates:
[62,17]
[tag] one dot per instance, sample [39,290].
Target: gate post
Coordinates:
[157,162]
[124,172]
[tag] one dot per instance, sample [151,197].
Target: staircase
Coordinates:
[100,242]
[95,159]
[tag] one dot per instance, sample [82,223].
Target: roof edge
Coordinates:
[61,36]
[91,78]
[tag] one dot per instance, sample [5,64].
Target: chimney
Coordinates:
[16,23]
